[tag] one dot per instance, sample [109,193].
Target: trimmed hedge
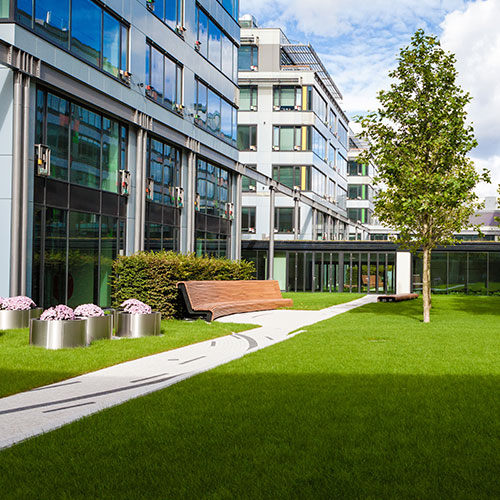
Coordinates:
[153,276]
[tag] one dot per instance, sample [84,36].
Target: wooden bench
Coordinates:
[373,281]
[213,299]
[397,297]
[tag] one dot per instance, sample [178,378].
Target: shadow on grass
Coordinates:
[224,435]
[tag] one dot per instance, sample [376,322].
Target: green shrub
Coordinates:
[153,276]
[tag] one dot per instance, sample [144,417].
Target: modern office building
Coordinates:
[117,133]
[292,129]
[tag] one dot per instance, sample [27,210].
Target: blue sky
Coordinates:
[358,41]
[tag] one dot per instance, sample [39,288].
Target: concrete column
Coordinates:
[25,185]
[270,257]
[314,224]
[15,257]
[403,272]
[143,189]
[296,218]
[236,224]
[139,188]
[188,212]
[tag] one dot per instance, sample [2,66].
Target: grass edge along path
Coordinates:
[314,301]
[370,404]
[24,367]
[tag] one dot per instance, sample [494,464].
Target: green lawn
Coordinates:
[24,367]
[319,300]
[372,404]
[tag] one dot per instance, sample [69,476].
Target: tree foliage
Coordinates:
[419,140]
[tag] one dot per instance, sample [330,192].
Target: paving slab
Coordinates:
[43,409]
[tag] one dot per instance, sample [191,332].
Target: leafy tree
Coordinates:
[419,140]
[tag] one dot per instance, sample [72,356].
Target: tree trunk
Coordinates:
[426,285]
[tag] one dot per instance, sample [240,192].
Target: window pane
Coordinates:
[52,20]
[111,44]
[245,98]
[58,135]
[157,73]
[226,119]
[201,107]
[244,58]
[171,13]
[170,83]
[478,272]
[24,11]
[227,56]
[214,44]
[86,30]
[85,146]
[213,120]
[156,168]
[287,138]
[243,137]
[124,48]
[288,97]
[109,233]
[83,258]
[203,32]
[494,270]
[55,257]
[110,155]
[286,176]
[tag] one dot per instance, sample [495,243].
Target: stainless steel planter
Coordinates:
[14,319]
[58,334]
[99,328]
[137,325]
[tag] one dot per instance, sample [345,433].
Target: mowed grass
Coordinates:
[24,367]
[319,300]
[371,404]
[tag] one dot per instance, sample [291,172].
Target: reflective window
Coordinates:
[163,79]
[214,44]
[164,166]
[248,58]
[248,98]
[201,104]
[318,182]
[52,20]
[320,107]
[173,12]
[360,192]
[341,197]
[95,149]
[213,189]
[319,144]
[341,164]
[96,36]
[342,132]
[213,116]
[249,185]
[247,137]
[202,42]
[86,30]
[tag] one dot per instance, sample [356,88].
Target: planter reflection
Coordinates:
[138,325]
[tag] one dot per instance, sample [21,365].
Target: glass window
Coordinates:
[494,273]
[247,137]
[201,104]
[58,135]
[24,11]
[318,182]
[248,219]
[170,97]
[202,33]
[85,147]
[227,56]
[341,164]
[213,118]
[247,58]
[248,98]
[83,258]
[110,155]
[86,30]
[283,217]
[4,9]
[287,98]
[341,197]
[52,20]
[249,185]
[214,44]
[289,138]
[332,122]
[342,131]
[156,75]
[478,272]
[319,144]
[173,12]
[112,58]
[293,176]
[226,120]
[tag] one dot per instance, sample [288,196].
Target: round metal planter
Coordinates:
[99,328]
[138,325]
[14,319]
[58,334]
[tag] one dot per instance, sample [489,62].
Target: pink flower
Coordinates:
[134,306]
[18,303]
[89,311]
[59,312]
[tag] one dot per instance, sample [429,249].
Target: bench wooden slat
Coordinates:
[397,297]
[214,299]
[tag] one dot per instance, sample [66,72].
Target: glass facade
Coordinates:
[163,210]
[213,219]
[337,271]
[476,273]
[163,79]
[248,58]
[79,217]
[215,115]
[86,29]
[169,11]
[86,146]
[216,46]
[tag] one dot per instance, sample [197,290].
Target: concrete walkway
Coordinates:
[46,408]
